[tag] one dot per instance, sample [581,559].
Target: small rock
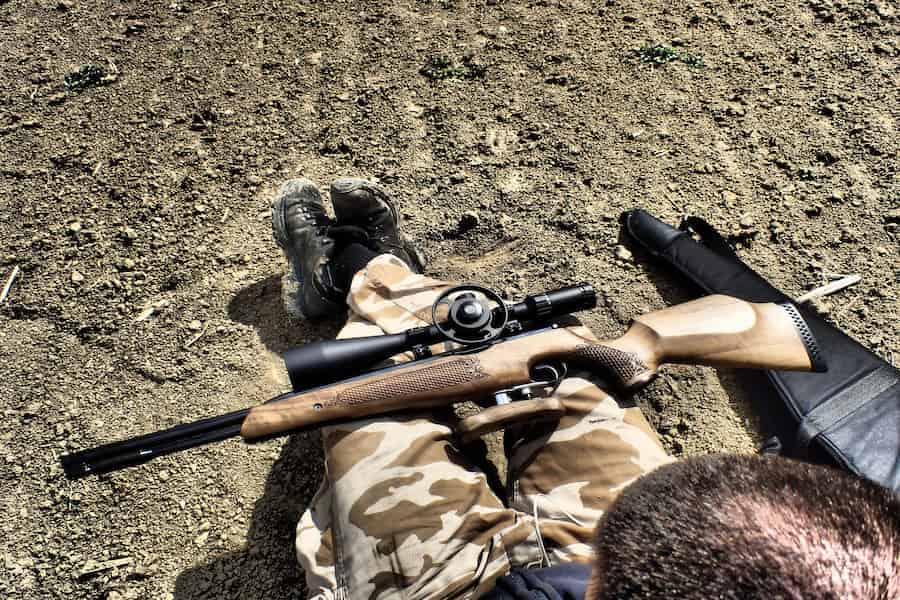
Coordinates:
[836,196]
[195,325]
[458,177]
[892,216]
[414,109]
[163,475]
[77,277]
[57,98]
[849,235]
[468,221]
[75,226]
[729,197]
[135,27]
[128,264]
[777,228]
[746,221]
[201,539]
[128,234]
[200,208]
[623,253]
[629,18]
[830,109]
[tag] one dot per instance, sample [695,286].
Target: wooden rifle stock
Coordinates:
[716,331]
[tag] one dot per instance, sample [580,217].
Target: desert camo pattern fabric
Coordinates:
[401,513]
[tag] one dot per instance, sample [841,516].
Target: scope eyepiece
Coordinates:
[555,303]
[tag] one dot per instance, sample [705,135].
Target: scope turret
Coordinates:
[321,363]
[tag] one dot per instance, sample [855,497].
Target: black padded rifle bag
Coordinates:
[851,412]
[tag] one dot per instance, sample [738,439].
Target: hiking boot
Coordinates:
[300,226]
[363,205]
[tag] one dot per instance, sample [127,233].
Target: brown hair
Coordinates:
[728,526]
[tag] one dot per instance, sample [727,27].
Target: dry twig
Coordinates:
[9,283]
[191,341]
[828,288]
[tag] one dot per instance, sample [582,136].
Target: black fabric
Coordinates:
[563,582]
[862,435]
[347,262]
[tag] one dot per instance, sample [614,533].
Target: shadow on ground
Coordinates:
[260,305]
[267,567]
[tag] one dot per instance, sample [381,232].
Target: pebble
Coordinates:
[776,227]
[746,221]
[195,325]
[623,253]
[128,234]
[813,210]
[128,264]
[469,220]
[458,177]
[830,109]
[729,197]
[77,277]
[200,208]
[75,226]
[163,475]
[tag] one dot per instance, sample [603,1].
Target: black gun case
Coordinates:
[849,415]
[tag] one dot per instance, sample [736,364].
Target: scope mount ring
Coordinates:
[475,314]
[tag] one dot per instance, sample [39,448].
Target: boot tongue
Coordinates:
[347,234]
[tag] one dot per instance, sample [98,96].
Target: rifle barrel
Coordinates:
[138,450]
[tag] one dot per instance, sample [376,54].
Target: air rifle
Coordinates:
[511,356]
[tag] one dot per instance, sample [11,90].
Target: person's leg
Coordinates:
[401,512]
[568,474]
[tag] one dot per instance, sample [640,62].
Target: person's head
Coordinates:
[729,526]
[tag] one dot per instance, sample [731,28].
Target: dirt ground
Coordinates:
[141,144]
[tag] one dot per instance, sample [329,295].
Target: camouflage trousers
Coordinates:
[402,513]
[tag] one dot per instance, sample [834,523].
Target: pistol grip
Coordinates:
[498,417]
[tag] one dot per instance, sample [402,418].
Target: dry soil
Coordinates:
[141,143]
